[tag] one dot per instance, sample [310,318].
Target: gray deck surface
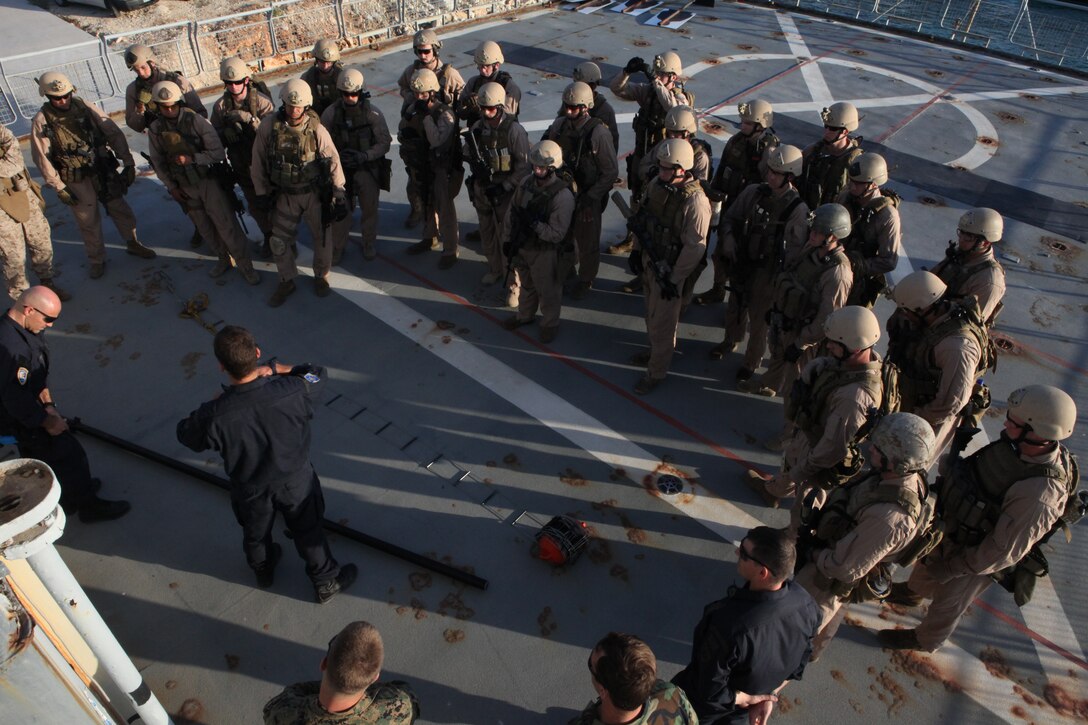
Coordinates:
[419,368]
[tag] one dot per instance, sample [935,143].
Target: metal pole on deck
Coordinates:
[30,521]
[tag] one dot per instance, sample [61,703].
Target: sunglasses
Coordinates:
[235,83]
[424,51]
[742,554]
[47,318]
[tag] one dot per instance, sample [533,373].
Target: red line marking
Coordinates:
[969,73]
[1043,354]
[690,432]
[1030,633]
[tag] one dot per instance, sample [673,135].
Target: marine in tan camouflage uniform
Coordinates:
[323,75]
[827,160]
[78,148]
[23,226]
[970,268]
[875,233]
[349,692]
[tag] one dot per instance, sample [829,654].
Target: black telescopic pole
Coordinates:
[439,567]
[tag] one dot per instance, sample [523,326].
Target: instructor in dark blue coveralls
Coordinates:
[260,425]
[29,414]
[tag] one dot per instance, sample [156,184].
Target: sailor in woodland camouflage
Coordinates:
[78,149]
[759,233]
[870,525]
[623,671]
[741,165]
[488,58]
[497,149]
[827,161]
[361,135]
[590,159]
[426,47]
[997,509]
[812,284]
[236,116]
[826,411]
[941,346]
[875,234]
[670,240]
[349,692]
[323,75]
[969,266]
[23,226]
[540,222]
[298,177]
[430,146]
[191,162]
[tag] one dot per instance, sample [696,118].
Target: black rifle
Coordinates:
[522,222]
[224,175]
[636,224]
[332,209]
[481,170]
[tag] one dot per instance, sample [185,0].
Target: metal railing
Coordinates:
[281,34]
[1045,34]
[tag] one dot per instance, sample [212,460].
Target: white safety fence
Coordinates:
[281,34]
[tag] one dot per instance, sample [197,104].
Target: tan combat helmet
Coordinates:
[426,37]
[138,54]
[233,69]
[831,219]
[905,440]
[296,92]
[488,53]
[491,95]
[588,72]
[668,62]
[351,80]
[983,222]
[756,111]
[786,159]
[166,92]
[869,168]
[681,118]
[854,327]
[423,81]
[918,291]
[54,83]
[676,152]
[841,115]
[326,49]
[578,94]
[1049,411]
[546,153]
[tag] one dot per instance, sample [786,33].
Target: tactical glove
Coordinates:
[339,205]
[792,354]
[129,175]
[634,262]
[668,290]
[634,66]
[495,193]
[67,196]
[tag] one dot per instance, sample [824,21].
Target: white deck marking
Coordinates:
[814,77]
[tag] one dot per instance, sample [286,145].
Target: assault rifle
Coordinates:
[521,224]
[110,184]
[332,209]
[660,267]
[224,175]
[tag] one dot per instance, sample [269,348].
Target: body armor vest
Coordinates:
[761,241]
[862,239]
[649,122]
[351,127]
[238,137]
[323,86]
[919,376]
[796,288]
[293,164]
[577,152]
[973,492]
[739,166]
[493,144]
[75,141]
[955,273]
[179,137]
[416,151]
[839,514]
[537,206]
[825,175]
[664,205]
[806,406]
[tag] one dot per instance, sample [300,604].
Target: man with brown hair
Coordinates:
[624,674]
[260,425]
[349,691]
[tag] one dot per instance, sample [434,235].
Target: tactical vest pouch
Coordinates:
[144,96]
[383,172]
[927,536]
[873,587]
[846,469]
[1020,579]
[14,200]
